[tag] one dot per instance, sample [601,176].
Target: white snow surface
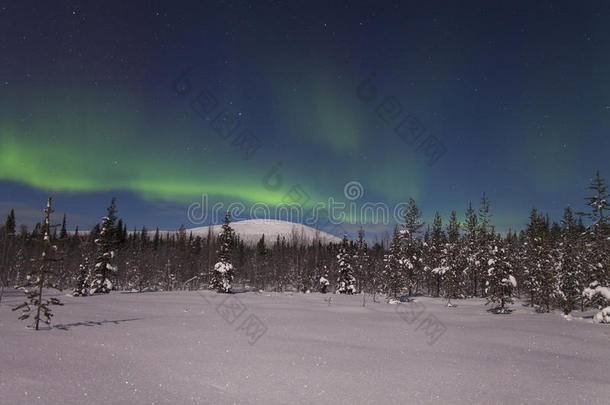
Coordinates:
[176,348]
[251,230]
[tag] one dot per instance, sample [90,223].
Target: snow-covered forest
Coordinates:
[177,318]
[549,265]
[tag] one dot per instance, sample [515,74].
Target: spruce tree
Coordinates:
[471,249]
[94,234]
[63,233]
[221,279]
[600,207]
[346,278]
[40,278]
[156,239]
[376,277]
[323,281]
[410,253]
[260,263]
[37,232]
[513,246]
[485,238]
[18,266]
[546,277]
[362,261]
[10,225]
[435,264]
[453,261]
[571,275]
[485,216]
[393,266]
[599,296]
[598,232]
[83,279]
[7,262]
[500,281]
[531,251]
[540,268]
[107,243]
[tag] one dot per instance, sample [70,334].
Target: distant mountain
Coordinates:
[251,230]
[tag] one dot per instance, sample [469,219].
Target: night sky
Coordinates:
[517,98]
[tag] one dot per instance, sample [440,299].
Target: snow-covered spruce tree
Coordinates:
[8,269]
[376,277]
[453,261]
[600,207]
[435,258]
[514,250]
[410,255]
[19,266]
[362,262]
[260,264]
[323,282]
[471,249]
[531,248]
[83,279]
[570,264]
[40,278]
[106,243]
[169,276]
[485,237]
[393,266]
[540,269]
[346,280]
[500,281]
[546,278]
[599,296]
[221,279]
[63,271]
[598,232]
[426,252]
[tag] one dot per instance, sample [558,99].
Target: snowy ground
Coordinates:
[178,348]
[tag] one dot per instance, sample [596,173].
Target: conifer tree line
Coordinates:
[549,265]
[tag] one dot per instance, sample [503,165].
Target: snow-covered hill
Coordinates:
[251,230]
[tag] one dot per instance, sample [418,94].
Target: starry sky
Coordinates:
[159,103]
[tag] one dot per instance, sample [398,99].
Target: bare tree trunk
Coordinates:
[40,292]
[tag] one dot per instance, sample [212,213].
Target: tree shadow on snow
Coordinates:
[140,291]
[241,291]
[67,326]
[500,311]
[404,298]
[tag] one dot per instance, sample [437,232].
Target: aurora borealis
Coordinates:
[518,94]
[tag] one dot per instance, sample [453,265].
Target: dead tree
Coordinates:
[37,279]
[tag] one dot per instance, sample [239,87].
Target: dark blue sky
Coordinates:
[512,100]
